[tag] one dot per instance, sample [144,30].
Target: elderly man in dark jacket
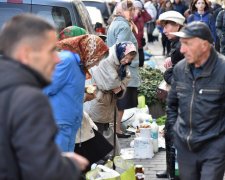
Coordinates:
[27,128]
[171,21]
[196,106]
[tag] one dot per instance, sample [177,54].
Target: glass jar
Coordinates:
[139,172]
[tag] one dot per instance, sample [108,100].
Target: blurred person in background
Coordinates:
[66,92]
[179,6]
[121,30]
[201,11]
[171,21]
[152,11]
[111,77]
[220,28]
[141,17]
[166,6]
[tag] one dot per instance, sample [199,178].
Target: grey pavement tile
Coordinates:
[151,166]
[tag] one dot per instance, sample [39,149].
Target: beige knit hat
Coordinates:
[172,16]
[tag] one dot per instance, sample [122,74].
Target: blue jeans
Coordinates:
[65,138]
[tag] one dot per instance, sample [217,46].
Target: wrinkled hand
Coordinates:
[168,63]
[117,90]
[80,160]
[89,97]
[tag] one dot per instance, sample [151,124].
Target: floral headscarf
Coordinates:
[71,31]
[90,48]
[122,49]
[123,6]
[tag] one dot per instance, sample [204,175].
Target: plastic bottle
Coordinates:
[154,135]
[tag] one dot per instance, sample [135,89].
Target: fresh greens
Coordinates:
[150,79]
[161,120]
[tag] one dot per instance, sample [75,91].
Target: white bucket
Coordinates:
[145,133]
[143,148]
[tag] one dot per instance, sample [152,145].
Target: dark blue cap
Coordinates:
[195,29]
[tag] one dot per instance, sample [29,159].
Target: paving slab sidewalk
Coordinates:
[151,166]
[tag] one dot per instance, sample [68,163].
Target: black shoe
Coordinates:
[161,174]
[123,135]
[161,149]
[130,132]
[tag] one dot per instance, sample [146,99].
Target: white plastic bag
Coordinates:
[135,116]
[155,32]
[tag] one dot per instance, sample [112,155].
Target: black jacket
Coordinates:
[27,128]
[196,107]
[176,56]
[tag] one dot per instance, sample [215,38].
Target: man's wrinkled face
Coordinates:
[193,49]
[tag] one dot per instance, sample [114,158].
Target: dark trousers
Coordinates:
[170,156]
[165,44]
[208,163]
[141,57]
[150,29]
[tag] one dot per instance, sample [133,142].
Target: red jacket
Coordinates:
[140,21]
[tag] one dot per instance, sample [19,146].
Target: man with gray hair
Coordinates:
[196,106]
[27,128]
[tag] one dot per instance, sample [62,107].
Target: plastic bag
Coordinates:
[162,90]
[124,171]
[134,116]
[156,32]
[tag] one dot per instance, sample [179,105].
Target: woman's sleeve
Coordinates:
[61,76]
[122,34]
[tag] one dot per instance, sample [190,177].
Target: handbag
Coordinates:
[143,42]
[95,148]
[162,90]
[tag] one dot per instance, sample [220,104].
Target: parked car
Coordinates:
[97,20]
[102,5]
[61,13]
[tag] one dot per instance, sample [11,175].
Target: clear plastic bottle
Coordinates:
[154,136]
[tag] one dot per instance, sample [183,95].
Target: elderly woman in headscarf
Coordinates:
[121,30]
[111,77]
[66,92]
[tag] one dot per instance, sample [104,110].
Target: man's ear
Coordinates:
[23,53]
